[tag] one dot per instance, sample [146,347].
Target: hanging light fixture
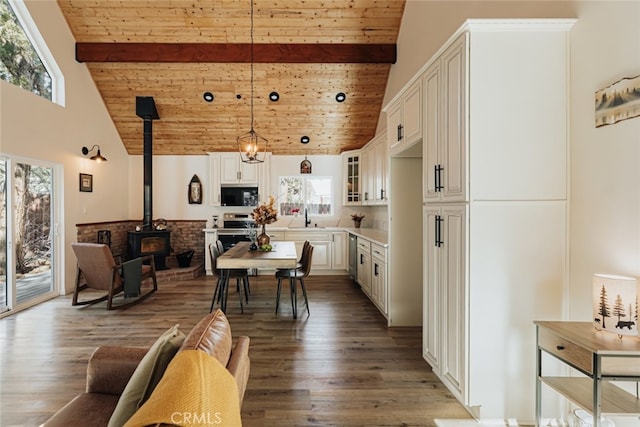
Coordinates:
[252,146]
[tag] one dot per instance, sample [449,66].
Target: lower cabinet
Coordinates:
[379,277]
[322,245]
[372,273]
[364,265]
[444,296]
[340,259]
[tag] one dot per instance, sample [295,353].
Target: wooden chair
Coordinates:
[247,284]
[298,274]
[98,270]
[221,292]
[305,247]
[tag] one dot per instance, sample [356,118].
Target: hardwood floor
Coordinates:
[340,366]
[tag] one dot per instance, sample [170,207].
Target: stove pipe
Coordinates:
[146,110]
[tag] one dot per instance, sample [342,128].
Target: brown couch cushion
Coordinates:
[212,335]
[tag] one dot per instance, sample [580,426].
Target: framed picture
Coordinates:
[620,101]
[86,182]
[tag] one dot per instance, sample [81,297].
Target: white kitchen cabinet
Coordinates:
[228,169]
[352,173]
[215,198]
[364,265]
[234,171]
[322,243]
[339,251]
[495,255]
[444,295]
[375,171]
[444,158]
[379,277]
[404,119]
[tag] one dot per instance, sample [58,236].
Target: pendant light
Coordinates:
[252,146]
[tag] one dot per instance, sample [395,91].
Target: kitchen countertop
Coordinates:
[380,237]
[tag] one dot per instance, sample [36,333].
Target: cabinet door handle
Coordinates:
[361,259]
[381,194]
[438,177]
[439,222]
[560,347]
[375,269]
[400,127]
[366,195]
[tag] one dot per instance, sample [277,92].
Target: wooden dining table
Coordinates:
[282,255]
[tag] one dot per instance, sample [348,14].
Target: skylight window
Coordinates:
[25,60]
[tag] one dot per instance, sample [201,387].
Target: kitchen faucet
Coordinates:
[307,221]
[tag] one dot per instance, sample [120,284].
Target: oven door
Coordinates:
[230,238]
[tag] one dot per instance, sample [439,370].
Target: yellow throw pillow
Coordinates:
[146,376]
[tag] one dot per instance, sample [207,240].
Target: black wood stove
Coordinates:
[148,240]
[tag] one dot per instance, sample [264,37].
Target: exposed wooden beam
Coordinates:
[240,53]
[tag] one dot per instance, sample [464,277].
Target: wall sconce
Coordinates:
[97,157]
[195,191]
[615,304]
[305,166]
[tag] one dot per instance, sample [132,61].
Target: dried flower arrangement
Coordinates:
[357,216]
[265,213]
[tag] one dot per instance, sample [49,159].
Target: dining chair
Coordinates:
[305,247]
[295,275]
[247,284]
[221,292]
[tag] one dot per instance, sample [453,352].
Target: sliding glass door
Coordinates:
[26,233]
[4,295]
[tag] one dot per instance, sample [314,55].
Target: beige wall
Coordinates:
[34,128]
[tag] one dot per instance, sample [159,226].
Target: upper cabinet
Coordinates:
[404,119]
[375,171]
[228,169]
[444,147]
[234,171]
[352,173]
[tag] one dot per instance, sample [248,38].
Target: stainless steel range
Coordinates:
[234,229]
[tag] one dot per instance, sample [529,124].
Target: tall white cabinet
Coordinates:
[495,160]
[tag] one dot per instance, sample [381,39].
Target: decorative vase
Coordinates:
[263,238]
[357,223]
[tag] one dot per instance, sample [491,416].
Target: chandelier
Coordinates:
[251,145]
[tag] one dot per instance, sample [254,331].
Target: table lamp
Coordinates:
[615,304]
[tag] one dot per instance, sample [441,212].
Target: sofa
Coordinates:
[112,370]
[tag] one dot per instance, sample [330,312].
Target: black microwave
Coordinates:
[239,196]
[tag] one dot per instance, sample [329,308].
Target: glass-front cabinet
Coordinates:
[352,169]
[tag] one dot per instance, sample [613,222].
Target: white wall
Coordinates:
[171,177]
[34,128]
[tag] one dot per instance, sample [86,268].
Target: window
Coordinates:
[297,193]
[25,60]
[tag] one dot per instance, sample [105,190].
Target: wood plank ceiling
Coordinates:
[190,125]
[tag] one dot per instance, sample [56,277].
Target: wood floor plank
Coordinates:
[340,366]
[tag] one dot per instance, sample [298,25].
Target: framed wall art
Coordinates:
[620,101]
[86,182]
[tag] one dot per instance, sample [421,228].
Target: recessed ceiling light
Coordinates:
[305,139]
[208,96]
[274,96]
[340,97]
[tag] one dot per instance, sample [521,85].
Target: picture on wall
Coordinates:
[86,182]
[620,101]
